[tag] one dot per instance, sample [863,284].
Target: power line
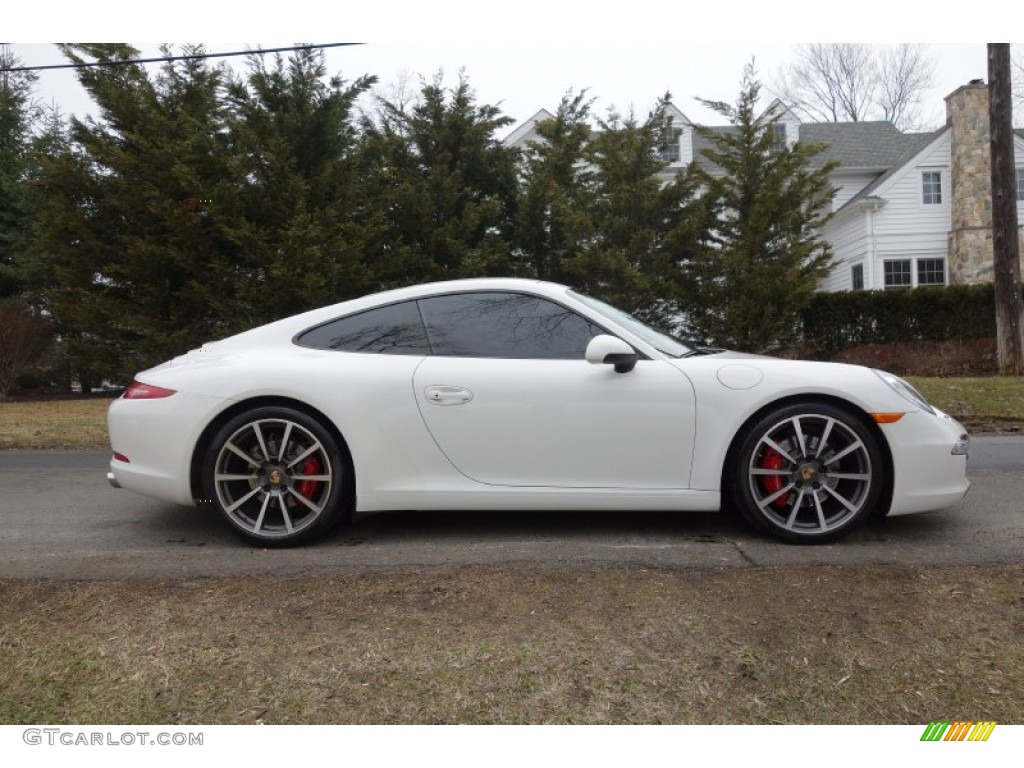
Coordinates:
[174,58]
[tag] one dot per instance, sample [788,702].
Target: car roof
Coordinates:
[441,287]
[286,328]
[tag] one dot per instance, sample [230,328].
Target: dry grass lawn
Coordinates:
[982,403]
[54,424]
[788,645]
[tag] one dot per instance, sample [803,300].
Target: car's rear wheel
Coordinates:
[807,473]
[277,476]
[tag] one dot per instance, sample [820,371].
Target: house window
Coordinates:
[857,273]
[931,271]
[931,187]
[1020,183]
[669,151]
[897,274]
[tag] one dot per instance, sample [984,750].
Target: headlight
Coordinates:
[905,390]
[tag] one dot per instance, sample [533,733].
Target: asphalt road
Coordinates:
[59,519]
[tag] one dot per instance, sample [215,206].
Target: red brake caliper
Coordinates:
[770,484]
[310,466]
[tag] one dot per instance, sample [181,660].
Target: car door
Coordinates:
[509,399]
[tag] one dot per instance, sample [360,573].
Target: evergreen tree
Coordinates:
[296,224]
[747,293]
[646,226]
[197,205]
[555,199]
[25,327]
[19,112]
[444,187]
[51,140]
[128,229]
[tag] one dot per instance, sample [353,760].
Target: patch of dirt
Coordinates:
[976,357]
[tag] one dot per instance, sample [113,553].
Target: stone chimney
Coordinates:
[970,235]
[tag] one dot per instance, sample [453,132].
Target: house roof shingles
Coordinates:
[875,145]
[919,143]
[868,144]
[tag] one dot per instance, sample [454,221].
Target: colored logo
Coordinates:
[958,730]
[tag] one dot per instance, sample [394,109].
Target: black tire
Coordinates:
[277,476]
[807,473]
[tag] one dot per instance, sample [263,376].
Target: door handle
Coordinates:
[444,395]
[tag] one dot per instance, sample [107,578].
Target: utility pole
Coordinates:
[1005,242]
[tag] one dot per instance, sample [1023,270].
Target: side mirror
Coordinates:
[609,350]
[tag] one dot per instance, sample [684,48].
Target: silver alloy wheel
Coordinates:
[273,478]
[810,473]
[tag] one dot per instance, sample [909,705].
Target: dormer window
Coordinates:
[669,151]
[778,136]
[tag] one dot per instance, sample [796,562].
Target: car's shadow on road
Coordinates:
[401,527]
[201,527]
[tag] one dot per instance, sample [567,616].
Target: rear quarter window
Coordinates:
[393,330]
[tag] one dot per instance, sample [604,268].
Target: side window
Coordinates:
[897,273]
[931,271]
[505,325]
[931,187]
[392,330]
[857,277]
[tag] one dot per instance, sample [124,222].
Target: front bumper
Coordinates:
[929,454]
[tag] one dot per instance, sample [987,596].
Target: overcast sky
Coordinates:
[526,55]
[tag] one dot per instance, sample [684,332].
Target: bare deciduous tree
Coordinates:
[905,75]
[839,82]
[23,337]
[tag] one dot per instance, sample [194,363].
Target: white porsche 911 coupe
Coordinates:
[518,394]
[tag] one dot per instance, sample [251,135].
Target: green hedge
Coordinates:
[836,321]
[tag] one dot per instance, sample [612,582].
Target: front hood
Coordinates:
[728,354]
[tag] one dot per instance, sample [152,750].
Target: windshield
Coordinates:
[662,342]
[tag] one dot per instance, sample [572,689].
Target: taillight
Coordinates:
[139,391]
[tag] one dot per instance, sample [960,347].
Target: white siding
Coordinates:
[849,184]
[850,245]
[906,225]
[527,130]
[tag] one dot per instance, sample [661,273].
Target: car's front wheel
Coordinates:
[807,473]
[277,476]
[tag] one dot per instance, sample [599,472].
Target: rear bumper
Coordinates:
[157,437]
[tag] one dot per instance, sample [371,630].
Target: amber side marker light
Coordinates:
[139,391]
[887,418]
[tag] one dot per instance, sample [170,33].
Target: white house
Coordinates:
[910,208]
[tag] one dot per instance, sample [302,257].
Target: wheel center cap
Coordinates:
[808,474]
[276,477]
